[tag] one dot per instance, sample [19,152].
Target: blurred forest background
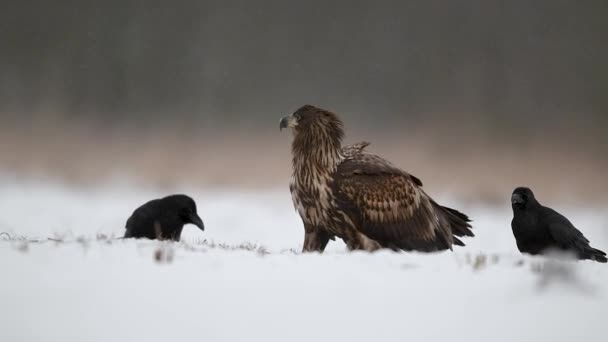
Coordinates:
[475,97]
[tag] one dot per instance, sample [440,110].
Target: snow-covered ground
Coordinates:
[247,283]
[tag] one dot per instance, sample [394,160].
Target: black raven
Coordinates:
[538,229]
[163,218]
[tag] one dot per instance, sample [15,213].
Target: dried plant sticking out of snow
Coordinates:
[481,260]
[164,253]
[8,237]
[291,251]
[245,246]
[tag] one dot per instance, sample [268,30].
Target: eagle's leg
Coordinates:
[315,239]
[359,241]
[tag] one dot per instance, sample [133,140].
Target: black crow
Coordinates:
[538,229]
[163,218]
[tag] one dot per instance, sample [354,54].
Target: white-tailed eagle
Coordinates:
[360,197]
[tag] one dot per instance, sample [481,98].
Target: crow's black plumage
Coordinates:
[163,218]
[538,229]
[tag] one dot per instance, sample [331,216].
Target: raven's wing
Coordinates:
[568,237]
[563,231]
[140,222]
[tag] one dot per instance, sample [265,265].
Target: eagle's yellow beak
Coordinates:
[288,122]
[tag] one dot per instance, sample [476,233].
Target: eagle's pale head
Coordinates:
[318,135]
[313,120]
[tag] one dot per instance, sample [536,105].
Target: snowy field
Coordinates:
[244,280]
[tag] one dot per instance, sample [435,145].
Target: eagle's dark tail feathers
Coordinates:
[459,222]
[457,241]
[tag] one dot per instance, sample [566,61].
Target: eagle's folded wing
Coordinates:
[388,205]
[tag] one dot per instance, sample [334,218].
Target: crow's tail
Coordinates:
[596,255]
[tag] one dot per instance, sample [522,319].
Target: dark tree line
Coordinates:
[494,61]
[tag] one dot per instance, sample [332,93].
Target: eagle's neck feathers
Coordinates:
[316,154]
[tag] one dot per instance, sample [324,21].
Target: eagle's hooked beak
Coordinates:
[197,221]
[517,199]
[288,122]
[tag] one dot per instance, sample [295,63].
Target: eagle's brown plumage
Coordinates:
[360,197]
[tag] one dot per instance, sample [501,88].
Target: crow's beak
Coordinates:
[196,220]
[517,199]
[288,122]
